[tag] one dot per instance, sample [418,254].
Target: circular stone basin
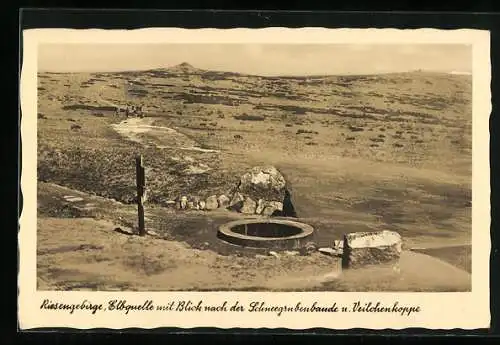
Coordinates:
[271,234]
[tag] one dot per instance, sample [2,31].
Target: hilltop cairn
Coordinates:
[263,190]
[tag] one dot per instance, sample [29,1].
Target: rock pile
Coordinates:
[195,203]
[261,190]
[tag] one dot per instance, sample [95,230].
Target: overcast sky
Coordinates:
[270,59]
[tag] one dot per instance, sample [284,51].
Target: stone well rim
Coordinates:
[306,229]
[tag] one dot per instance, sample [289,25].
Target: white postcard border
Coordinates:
[437,310]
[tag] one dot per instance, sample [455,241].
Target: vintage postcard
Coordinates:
[255,178]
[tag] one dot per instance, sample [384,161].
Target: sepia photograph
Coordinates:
[255,167]
[261,167]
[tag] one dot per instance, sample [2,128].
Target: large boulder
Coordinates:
[263,183]
[265,191]
[371,248]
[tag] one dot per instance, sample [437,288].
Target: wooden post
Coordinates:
[141,188]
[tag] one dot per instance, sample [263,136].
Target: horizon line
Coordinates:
[418,70]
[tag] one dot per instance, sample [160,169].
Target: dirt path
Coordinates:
[105,101]
[143,131]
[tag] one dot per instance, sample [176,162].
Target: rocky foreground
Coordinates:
[83,251]
[86,254]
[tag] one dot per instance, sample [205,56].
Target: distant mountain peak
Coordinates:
[184,67]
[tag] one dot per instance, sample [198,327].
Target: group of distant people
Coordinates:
[131,110]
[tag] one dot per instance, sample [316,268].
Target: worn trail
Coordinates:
[143,131]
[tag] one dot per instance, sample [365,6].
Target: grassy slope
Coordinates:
[361,152]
